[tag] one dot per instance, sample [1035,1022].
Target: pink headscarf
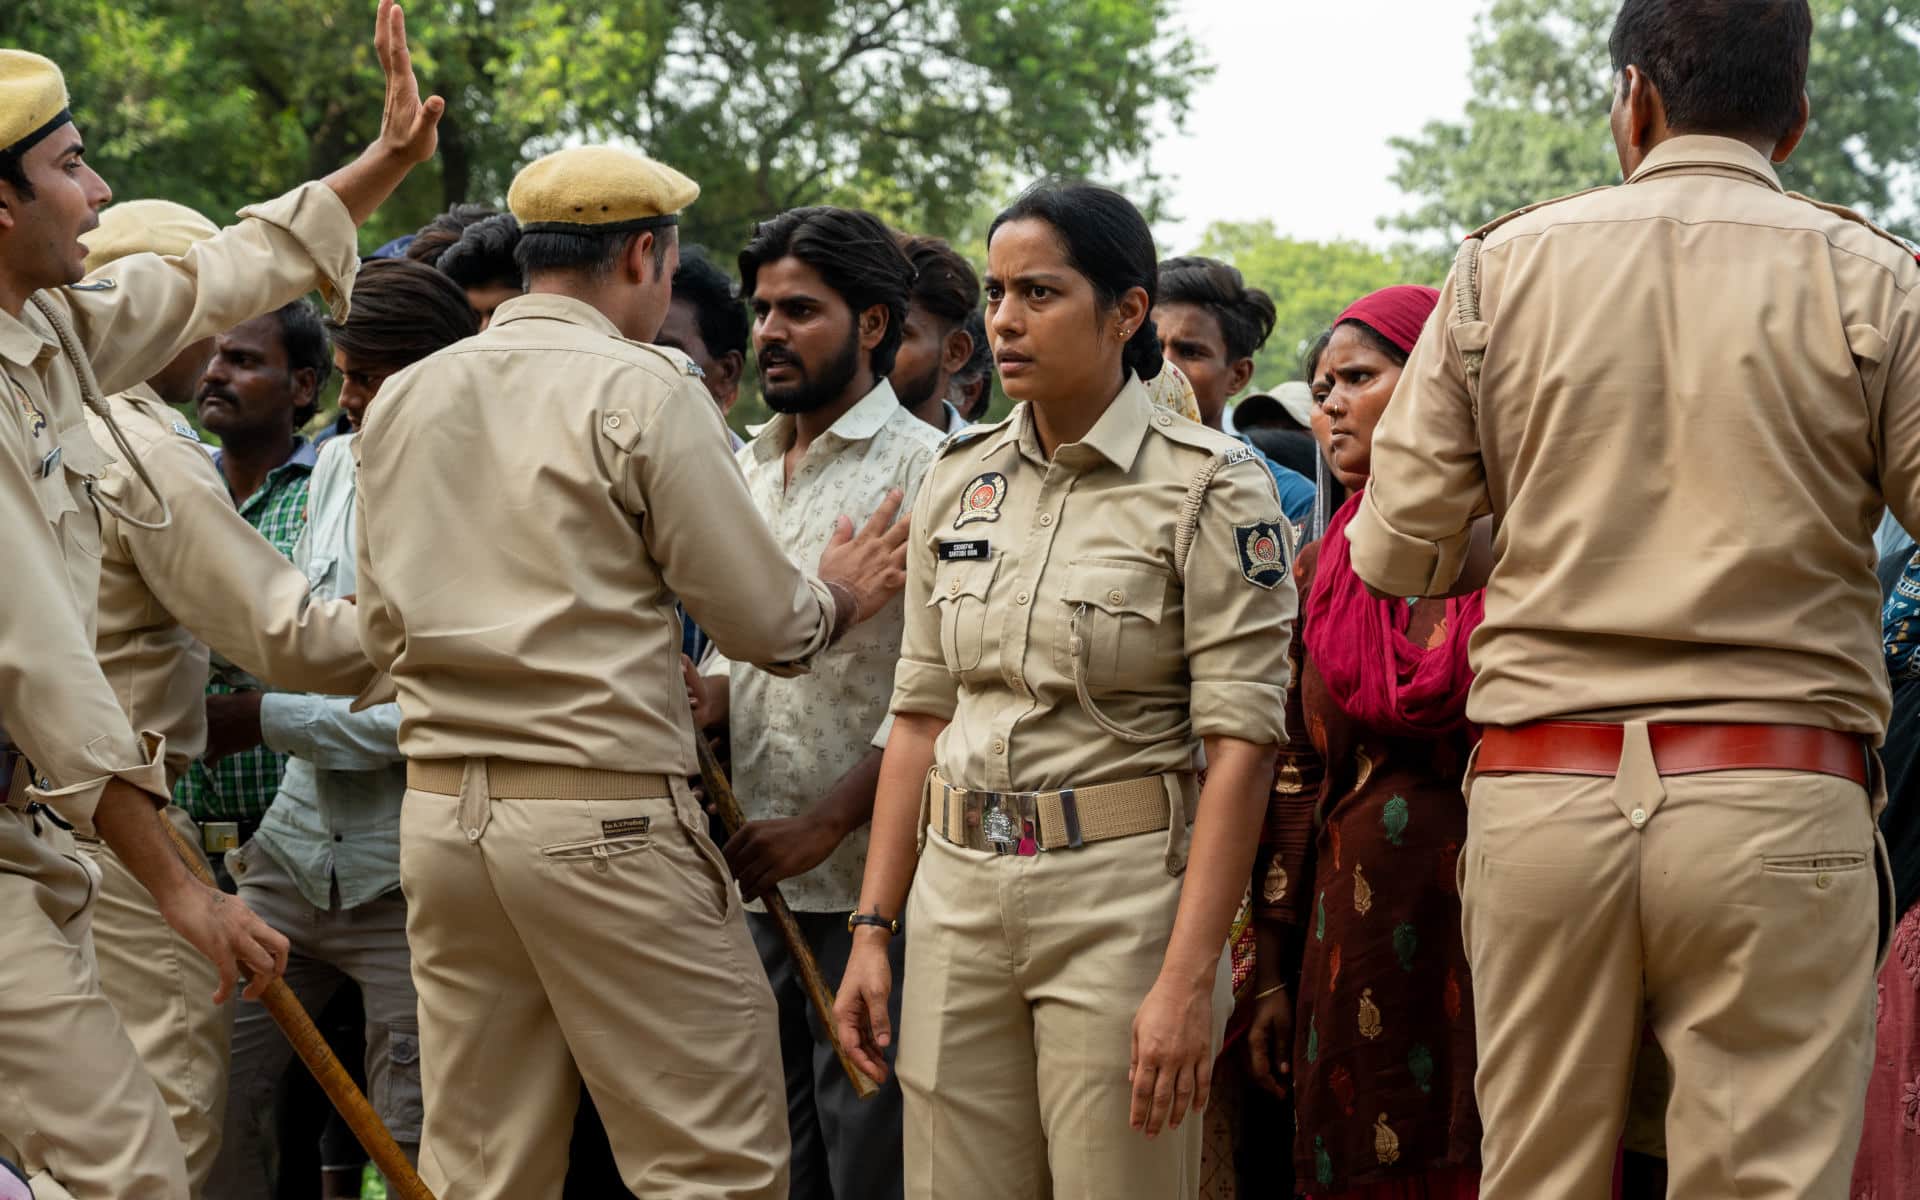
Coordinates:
[1397,314]
[1359,644]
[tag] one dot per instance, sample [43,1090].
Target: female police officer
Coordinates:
[1094,586]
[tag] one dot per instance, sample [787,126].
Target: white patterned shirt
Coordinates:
[793,739]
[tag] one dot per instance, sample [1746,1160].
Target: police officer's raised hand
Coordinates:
[1172,1067]
[866,571]
[409,126]
[232,937]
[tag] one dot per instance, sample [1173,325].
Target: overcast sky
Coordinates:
[1294,124]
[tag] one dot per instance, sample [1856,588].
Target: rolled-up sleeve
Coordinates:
[1238,624]
[1428,485]
[135,314]
[55,702]
[921,681]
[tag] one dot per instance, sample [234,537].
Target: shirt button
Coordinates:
[613,422]
[1638,816]
[473,835]
[1163,419]
[953,588]
[1824,880]
[1046,519]
[1020,599]
[339,837]
[999,747]
[1116,597]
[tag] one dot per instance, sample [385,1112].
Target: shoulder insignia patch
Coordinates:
[981,499]
[1266,552]
[1238,455]
[186,431]
[93,285]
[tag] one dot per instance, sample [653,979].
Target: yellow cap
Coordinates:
[144,227]
[33,100]
[598,189]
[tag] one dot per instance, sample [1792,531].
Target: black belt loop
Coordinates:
[1070,813]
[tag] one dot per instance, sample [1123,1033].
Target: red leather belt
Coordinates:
[1592,748]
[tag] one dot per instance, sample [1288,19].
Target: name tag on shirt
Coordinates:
[953,551]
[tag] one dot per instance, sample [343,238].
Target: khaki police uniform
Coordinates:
[531,503]
[1074,638]
[76,1106]
[1697,392]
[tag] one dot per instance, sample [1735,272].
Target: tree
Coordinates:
[1536,126]
[1310,282]
[920,109]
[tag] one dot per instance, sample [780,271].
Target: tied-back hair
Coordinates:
[1108,242]
[483,257]
[1245,315]
[438,236]
[402,311]
[854,252]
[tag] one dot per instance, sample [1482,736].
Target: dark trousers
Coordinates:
[844,1148]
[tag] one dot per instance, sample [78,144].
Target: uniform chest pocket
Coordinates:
[1116,609]
[960,590]
[62,479]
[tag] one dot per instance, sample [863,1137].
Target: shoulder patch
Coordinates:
[94,285]
[1238,455]
[1517,213]
[1266,552]
[186,431]
[1840,210]
[681,364]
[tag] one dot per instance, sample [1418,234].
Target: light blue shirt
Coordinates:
[336,819]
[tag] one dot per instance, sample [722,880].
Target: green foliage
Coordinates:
[1310,282]
[924,110]
[1536,126]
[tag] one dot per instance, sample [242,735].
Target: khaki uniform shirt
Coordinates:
[531,502]
[130,319]
[795,737]
[1010,551]
[208,576]
[1696,392]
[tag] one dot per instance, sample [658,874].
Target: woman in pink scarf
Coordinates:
[1374,1041]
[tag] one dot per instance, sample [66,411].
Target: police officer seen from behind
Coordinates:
[531,503]
[1096,587]
[1684,401]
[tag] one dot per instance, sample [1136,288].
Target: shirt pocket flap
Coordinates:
[962,577]
[1868,344]
[621,427]
[1123,589]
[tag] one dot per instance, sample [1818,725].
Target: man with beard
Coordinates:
[262,386]
[829,292]
[935,345]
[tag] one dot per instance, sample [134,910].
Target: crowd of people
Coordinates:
[1459,770]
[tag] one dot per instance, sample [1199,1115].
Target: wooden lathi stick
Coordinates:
[403,1182]
[720,794]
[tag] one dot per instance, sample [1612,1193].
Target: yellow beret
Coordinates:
[144,227]
[598,189]
[33,100]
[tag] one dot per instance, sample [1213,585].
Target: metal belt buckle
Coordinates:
[218,837]
[1007,825]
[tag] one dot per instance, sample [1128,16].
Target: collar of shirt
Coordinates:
[1115,437]
[857,424]
[955,422]
[551,306]
[22,343]
[303,458]
[1690,153]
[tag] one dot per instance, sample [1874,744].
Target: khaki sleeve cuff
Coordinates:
[928,688]
[314,215]
[1400,564]
[76,802]
[1251,712]
[881,735]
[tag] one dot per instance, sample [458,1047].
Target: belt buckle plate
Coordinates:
[218,837]
[1006,828]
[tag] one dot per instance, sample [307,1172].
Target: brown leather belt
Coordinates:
[1592,748]
[510,780]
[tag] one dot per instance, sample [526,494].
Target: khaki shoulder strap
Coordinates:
[1468,330]
[1840,210]
[90,393]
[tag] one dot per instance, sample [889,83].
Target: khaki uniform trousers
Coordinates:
[1742,907]
[163,990]
[556,941]
[78,1110]
[1022,979]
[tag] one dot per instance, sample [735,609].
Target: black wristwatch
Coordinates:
[856,918]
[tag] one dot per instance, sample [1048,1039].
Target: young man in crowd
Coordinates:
[935,343]
[829,289]
[707,323]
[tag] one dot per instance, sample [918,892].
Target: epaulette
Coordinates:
[971,433]
[1517,213]
[1840,210]
[681,364]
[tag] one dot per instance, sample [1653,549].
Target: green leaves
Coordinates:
[1536,127]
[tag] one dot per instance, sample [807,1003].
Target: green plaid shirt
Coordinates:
[241,786]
